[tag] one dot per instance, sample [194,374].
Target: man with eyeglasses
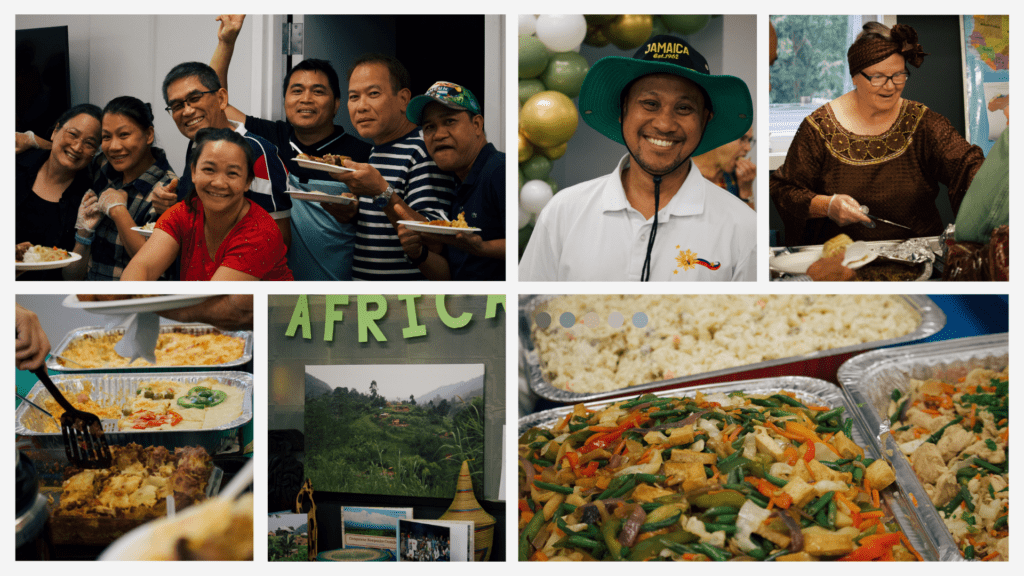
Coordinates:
[196,100]
[323,237]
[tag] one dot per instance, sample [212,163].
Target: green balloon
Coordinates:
[536,168]
[528,87]
[565,73]
[686,23]
[533,56]
[522,179]
[659,27]
[554,185]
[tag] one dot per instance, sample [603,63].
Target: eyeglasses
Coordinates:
[898,79]
[89,145]
[192,99]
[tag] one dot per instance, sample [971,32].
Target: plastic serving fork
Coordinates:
[84,441]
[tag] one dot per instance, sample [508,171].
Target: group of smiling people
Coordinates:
[229,216]
[72,198]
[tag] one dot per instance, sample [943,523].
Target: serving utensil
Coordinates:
[84,440]
[296,148]
[864,210]
[854,252]
[33,404]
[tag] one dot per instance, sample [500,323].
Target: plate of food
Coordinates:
[326,163]
[799,262]
[146,230]
[444,227]
[44,258]
[315,196]
[131,303]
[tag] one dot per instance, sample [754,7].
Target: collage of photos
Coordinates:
[763,418]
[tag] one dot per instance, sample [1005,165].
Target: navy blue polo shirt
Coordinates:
[482,197]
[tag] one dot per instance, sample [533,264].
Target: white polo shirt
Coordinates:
[590,232]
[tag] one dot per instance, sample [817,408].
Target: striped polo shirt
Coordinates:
[424,187]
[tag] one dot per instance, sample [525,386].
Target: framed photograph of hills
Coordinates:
[394,429]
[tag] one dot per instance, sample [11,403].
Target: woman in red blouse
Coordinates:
[219,234]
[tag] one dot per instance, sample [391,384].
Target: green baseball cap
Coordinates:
[447,93]
[601,94]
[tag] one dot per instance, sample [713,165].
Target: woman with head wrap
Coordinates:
[873,148]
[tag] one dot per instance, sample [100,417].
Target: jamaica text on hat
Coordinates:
[667,49]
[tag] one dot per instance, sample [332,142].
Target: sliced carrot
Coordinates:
[849,505]
[991,556]
[539,556]
[875,498]
[913,499]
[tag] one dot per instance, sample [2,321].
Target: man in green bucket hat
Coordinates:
[653,218]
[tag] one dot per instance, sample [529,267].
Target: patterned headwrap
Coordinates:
[868,51]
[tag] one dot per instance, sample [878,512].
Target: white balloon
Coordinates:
[527,24]
[535,195]
[524,218]
[561,32]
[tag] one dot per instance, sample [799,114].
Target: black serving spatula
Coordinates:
[84,441]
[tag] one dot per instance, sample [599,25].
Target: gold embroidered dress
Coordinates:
[896,174]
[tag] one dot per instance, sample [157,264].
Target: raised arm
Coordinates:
[227,33]
[227,312]
[155,257]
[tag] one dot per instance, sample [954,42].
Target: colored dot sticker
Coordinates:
[639,319]
[567,320]
[543,320]
[591,320]
[615,319]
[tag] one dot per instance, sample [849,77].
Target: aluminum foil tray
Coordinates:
[808,391]
[111,389]
[100,531]
[932,321]
[870,378]
[194,329]
[932,242]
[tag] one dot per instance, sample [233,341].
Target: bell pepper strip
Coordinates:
[873,547]
[148,419]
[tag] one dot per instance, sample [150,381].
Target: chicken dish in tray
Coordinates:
[956,435]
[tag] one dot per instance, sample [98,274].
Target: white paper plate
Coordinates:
[320,197]
[137,305]
[421,227]
[26,266]
[143,231]
[799,262]
[321,166]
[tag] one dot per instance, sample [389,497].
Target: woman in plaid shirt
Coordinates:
[123,179]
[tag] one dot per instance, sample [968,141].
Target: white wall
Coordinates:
[130,55]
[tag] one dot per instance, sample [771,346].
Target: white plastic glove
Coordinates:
[844,210]
[89,215]
[111,198]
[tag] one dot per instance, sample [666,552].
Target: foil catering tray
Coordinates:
[808,391]
[194,329]
[932,321]
[870,378]
[101,531]
[111,390]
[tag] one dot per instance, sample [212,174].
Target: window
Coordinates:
[811,70]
